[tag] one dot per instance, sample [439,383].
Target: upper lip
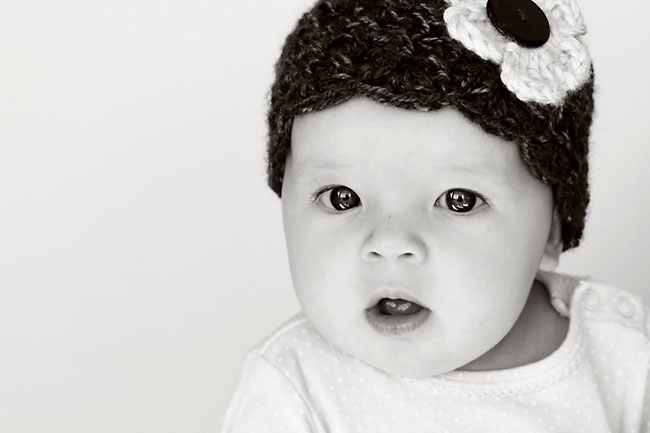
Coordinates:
[394,293]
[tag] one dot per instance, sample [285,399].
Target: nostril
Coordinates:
[376,255]
[393,245]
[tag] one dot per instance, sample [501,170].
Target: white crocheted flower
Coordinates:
[544,74]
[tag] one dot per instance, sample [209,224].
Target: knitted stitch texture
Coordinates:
[399,52]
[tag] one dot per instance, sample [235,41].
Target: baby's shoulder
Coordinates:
[296,345]
[592,301]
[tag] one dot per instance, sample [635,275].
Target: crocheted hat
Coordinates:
[428,54]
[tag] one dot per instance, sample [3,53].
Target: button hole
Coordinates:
[522,15]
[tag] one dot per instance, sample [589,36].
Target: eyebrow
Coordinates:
[308,167]
[325,164]
[479,170]
[490,174]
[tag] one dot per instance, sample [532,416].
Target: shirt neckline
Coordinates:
[525,378]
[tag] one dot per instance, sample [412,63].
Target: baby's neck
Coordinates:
[537,333]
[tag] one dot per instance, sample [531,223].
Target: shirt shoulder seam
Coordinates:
[296,389]
[294,322]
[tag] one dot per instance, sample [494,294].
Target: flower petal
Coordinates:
[544,74]
[468,23]
[564,16]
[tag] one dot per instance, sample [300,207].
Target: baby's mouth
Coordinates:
[395,316]
[397,306]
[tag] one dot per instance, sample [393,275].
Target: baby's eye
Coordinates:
[460,200]
[340,198]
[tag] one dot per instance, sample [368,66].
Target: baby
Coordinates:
[431,158]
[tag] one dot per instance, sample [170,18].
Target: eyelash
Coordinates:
[315,196]
[477,202]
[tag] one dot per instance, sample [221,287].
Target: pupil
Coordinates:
[343,198]
[461,201]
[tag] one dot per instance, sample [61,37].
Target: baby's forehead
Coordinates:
[362,132]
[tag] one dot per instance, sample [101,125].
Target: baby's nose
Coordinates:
[393,241]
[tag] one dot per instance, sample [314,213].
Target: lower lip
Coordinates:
[393,325]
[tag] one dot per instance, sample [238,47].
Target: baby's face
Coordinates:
[400,205]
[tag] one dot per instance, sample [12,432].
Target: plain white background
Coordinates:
[141,252]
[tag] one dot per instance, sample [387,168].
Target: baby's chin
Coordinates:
[412,359]
[407,368]
[422,353]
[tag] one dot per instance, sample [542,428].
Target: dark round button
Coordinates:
[521,20]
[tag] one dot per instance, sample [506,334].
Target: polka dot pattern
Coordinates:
[295,381]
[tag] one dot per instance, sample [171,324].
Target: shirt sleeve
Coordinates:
[645,414]
[265,400]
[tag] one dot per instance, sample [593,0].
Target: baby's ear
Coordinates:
[551,258]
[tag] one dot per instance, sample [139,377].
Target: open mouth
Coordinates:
[397,306]
[397,316]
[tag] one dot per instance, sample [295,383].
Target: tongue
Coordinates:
[398,306]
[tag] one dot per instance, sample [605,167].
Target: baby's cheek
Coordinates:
[332,291]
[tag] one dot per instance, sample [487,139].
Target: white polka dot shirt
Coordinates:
[596,381]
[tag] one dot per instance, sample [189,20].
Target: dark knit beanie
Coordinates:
[429,54]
